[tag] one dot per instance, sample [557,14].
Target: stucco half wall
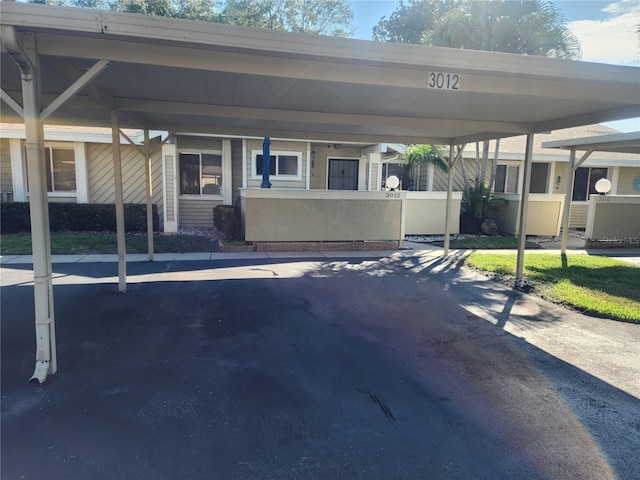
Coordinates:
[544,214]
[614,219]
[272,215]
[425,212]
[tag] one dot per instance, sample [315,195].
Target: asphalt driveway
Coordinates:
[399,368]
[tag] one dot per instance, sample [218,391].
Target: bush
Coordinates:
[226,219]
[77,217]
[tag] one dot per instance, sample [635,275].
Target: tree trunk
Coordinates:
[495,165]
[485,159]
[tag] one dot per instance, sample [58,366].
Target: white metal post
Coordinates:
[524,205]
[39,209]
[117,177]
[447,227]
[149,192]
[568,193]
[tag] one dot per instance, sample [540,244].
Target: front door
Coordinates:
[343,174]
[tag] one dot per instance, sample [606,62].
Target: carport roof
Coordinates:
[197,77]
[617,143]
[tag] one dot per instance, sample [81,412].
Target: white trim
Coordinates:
[308,169]
[551,170]
[82,175]
[615,179]
[244,163]
[431,173]
[18,177]
[362,173]
[283,178]
[227,185]
[200,152]
[176,191]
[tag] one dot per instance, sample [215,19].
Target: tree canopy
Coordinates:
[322,17]
[531,27]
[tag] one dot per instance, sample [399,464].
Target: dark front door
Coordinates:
[343,174]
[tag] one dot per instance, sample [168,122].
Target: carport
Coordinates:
[90,68]
[619,143]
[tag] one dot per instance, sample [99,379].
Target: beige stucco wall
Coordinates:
[626,180]
[425,212]
[543,214]
[614,218]
[281,215]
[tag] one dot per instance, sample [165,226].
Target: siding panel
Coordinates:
[6,184]
[196,212]
[625,181]
[578,217]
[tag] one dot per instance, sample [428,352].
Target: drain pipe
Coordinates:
[24,54]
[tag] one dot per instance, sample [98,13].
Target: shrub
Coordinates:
[226,219]
[77,217]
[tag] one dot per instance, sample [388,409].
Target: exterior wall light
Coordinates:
[603,186]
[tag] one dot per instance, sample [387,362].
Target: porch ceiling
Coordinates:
[183,76]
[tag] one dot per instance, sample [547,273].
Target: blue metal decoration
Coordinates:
[266,161]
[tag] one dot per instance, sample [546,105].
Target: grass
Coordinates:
[598,286]
[76,243]
[488,242]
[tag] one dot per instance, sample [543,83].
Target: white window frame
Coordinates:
[200,152]
[506,178]
[277,176]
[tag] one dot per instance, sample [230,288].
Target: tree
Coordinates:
[409,21]
[323,17]
[529,27]
[418,155]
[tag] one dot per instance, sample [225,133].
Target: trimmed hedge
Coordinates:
[77,217]
[226,219]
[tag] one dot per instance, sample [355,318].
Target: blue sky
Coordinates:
[606,30]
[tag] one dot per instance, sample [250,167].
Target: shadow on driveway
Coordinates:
[287,369]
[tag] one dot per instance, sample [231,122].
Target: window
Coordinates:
[539,176]
[61,169]
[585,182]
[283,165]
[200,174]
[506,180]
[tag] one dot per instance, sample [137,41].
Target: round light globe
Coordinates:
[393,182]
[603,186]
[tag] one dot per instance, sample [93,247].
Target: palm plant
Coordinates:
[420,155]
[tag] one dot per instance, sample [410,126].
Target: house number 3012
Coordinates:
[444,81]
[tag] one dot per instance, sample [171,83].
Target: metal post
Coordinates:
[149,192]
[568,194]
[447,227]
[39,209]
[117,177]
[524,205]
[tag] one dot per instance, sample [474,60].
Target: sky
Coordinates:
[607,31]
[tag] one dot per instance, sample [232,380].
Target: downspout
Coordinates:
[26,60]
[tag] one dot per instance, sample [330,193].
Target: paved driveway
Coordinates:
[401,368]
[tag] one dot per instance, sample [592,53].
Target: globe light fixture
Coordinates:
[392,182]
[603,186]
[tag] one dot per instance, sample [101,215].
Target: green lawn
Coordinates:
[598,286]
[489,242]
[73,243]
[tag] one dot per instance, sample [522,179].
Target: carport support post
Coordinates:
[149,191]
[117,177]
[524,206]
[568,194]
[447,227]
[39,209]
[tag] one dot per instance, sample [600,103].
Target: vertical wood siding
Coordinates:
[169,190]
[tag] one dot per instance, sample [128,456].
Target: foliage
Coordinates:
[226,219]
[478,202]
[409,21]
[529,27]
[423,155]
[323,17]
[78,217]
[598,286]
